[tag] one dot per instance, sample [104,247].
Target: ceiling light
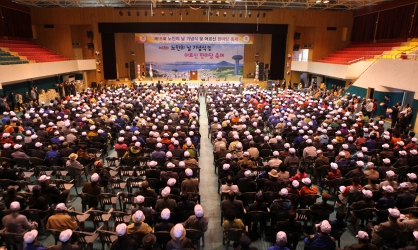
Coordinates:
[202,1]
[226,1]
[326,1]
[210,1]
[219,1]
[318,1]
[193,1]
[168,1]
[185,1]
[177,1]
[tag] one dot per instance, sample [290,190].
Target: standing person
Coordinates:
[37,95]
[26,98]
[33,94]
[19,101]
[374,108]
[395,115]
[11,101]
[386,104]
[369,107]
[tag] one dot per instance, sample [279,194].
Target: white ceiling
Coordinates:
[336,5]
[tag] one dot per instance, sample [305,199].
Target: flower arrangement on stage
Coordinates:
[289,56]
[288,72]
[99,71]
[288,64]
[257,67]
[97,53]
[98,62]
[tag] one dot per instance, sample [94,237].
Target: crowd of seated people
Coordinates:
[153,181]
[277,150]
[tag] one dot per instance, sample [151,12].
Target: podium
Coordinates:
[193,75]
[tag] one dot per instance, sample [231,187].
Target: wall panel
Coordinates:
[57,39]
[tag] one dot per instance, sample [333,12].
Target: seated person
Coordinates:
[324,206]
[197,221]
[321,239]
[363,242]
[15,222]
[164,225]
[185,204]
[60,220]
[138,226]
[339,222]
[282,203]
[281,240]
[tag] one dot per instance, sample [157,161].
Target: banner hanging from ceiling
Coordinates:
[175,38]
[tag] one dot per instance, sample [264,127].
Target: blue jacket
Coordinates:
[276,247]
[320,241]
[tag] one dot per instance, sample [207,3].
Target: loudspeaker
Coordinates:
[261,71]
[296,47]
[266,66]
[132,70]
[203,79]
[296,36]
[183,79]
[90,45]
[126,65]
[94,84]
[89,34]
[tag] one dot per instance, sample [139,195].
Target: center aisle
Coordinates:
[209,186]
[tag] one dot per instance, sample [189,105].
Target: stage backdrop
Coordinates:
[212,62]
[173,56]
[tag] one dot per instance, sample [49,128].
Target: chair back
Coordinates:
[269,197]
[163,237]
[106,199]
[32,214]
[126,199]
[107,237]
[320,215]
[249,197]
[23,163]
[84,238]
[194,234]
[150,202]
[12,239]
[364,214]
[235,234]
[120,217]
[133,182]
[86,200]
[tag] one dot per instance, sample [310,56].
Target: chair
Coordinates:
[163,237]
[293,238]
[87,200]
[117,184]
[23,163]
[153,183]
[12,239]
[362,214]
[80,218]
[107,199]
[258,217]
[126,199]
[249,197]
[120,153]
[194,196]
[125,171]
[55,234]
[270,196]
[85,239]
[277,216]
[120,217]
[195,236]
[150,202]
[133,182]
[233,235]
[318,216]
[53,161]
[100,216]
[76,174]
[308,200]
[106,237]
[111,161]
[34,215]
[337,235]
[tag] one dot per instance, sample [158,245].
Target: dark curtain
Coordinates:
[414,29]
[395,23]
[16,23]
[1,25]
[364,27]
[109,55]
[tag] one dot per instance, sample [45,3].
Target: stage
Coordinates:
[192,83]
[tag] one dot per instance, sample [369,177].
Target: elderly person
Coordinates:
[48,190]
[281,240]
[321,239]
[123,242]
[31,238]
[65,237]
[178,239]
[16,222]
[197,221]
[93,188]
[73,163]
[189,185]
[60,220]
[138,226]
[165,224]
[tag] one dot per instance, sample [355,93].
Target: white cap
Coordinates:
[121,229]
[61,206]
[178,230]
[44,178]
[15,206]
[414,152]
[228,156]
[388,188]
[281,238]
[295,184]
[34,137]
[283,192]
[385,145]
[325,226]
[182,164]
[360,163]
[412,176]
[367,193]
[276,153]
[7,145]
[30,236]
[170,165]
[121,139]
[139,199]
[189,172]
[94,177]
[386,161]
[404,185]
[334,165]
[66,235]
[415,233]
[362,235]
[403,153]
[226,166]
[186,154]
[198,210]
[247,173]
[292,150]
[165,214]
[370,164]
[159,145]
[171,182]
[165,192]
[17,146]
[394,212]
[390,173]
[306,181]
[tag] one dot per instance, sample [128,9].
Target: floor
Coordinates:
[209,197]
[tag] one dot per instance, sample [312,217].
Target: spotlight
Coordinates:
[137,13]
[187,13]
[233,13]
[264,15]
[162,13]
[318,1]
[210,13]
[204,12]
[146,13]
[129,13]
[326,1]
[217,13]
[171,13]
[240,14]
[258,14]
[249,14]
[224,13]
[120,13]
